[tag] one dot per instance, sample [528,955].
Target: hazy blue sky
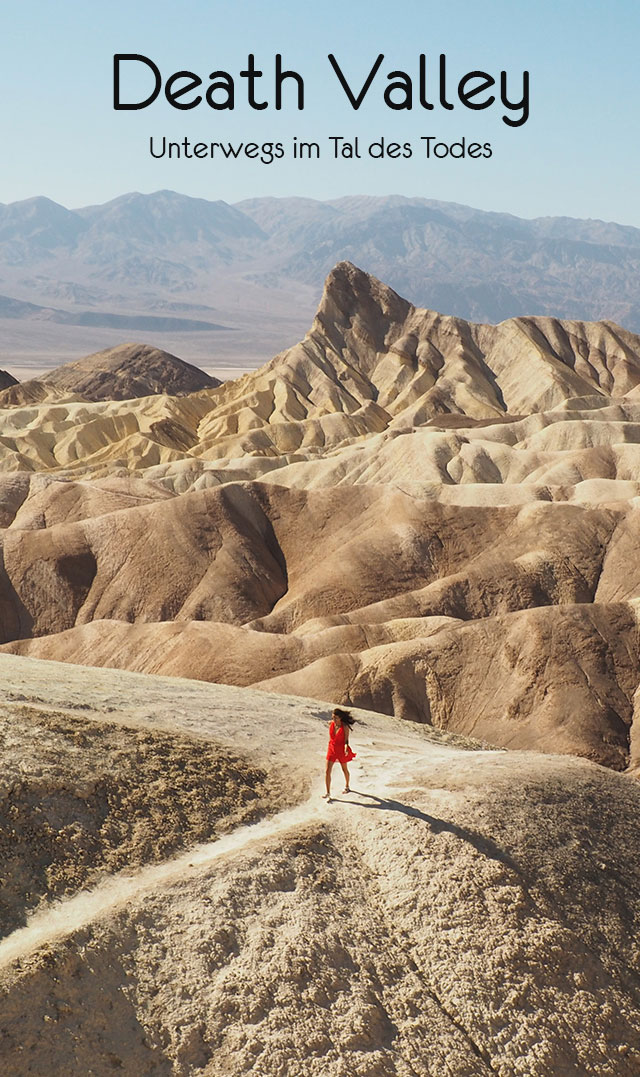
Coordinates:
[578,154]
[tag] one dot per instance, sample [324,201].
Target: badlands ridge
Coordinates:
[432,521]
[404,512]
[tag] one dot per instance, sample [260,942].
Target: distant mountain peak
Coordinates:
[260,265]
[128,371]
[349,293]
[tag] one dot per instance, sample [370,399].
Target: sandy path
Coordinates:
[237,719]
[77,912]
[425,923]
[377,776]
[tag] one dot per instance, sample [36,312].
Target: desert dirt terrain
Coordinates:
[404,512]
[462,911]
[432,521]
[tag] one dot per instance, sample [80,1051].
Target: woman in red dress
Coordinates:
[339,750]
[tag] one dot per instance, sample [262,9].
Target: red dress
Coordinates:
[336,752]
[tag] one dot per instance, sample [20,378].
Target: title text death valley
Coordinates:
[402,91]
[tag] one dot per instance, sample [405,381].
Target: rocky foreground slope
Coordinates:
[405,512]
[461,912]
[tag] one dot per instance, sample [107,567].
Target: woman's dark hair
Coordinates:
[344,717]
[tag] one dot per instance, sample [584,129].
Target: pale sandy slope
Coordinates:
[465,912]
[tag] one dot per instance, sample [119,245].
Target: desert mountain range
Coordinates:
[405,512]
[232,284]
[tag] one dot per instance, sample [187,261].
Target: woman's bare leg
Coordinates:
[345,771]
[327,777]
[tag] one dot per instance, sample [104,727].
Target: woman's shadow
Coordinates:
[484,845]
